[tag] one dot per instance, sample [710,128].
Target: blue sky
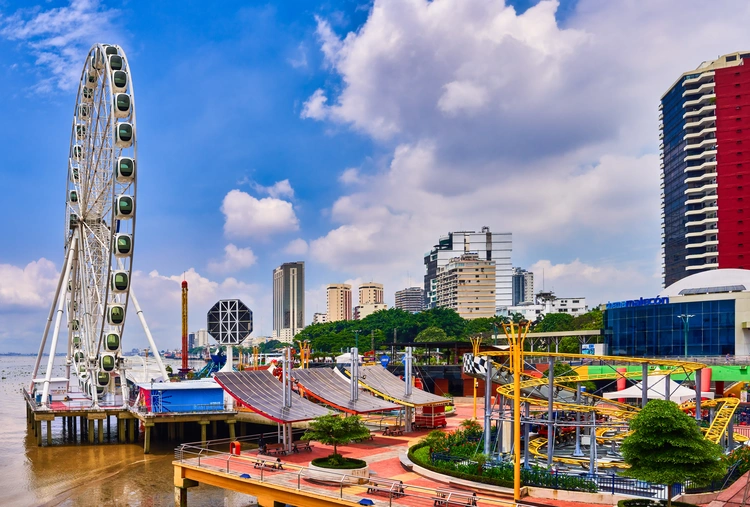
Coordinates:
[351,135]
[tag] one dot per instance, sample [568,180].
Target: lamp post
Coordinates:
[356,338]
[516,334]
[685,318]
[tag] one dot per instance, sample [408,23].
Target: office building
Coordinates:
[320,318]
[288,300]
[704,314]
[371,293]
[362,311]
[467,284]
[523,286]
[339,301]
[410,299]
[547,302]
[489,246]
[191,341]
[201,338]
[705,167]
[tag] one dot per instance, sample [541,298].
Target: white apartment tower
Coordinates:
[288,300]
[339,301]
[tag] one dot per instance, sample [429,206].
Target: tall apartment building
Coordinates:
[467,285]
[288,300]
[410,299]
[339,301]
[705,165]
[371,293]
[489,246]
[201,338]
[367,309]
[523,286]
[320,318]
[191,341]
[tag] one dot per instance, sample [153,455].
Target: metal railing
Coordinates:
[350,486]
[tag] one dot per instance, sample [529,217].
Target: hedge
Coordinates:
[348,464]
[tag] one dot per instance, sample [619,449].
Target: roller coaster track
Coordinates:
[611,408]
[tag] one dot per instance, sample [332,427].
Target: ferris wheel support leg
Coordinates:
[52,349]
[124,387]
[148,335]
[63,275]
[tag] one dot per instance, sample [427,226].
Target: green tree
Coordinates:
[667,447]
[336,430]
[432,334]
[554,322]
[589,320]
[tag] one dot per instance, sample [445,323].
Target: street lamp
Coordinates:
[356,337]
[685,318]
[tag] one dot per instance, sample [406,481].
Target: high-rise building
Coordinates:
[288,300]
[467,285]
[371,293]
[320,318]
[339,301]
[201,338]
[362,311]
[705,119]
[191,341]
[523,286]
[410,299]
[489,246]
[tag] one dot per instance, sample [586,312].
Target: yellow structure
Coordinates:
[475,342]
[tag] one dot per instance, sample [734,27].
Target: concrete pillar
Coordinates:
[100,433]
[119,430]
[644,384]
[213,429]
[108,426]
[180,497]
[49,432]
[667,390]
[38,432]
[131,429]
[181,430]
[698,390]
[147,438]
[91,431]
[230,423]
[203,431]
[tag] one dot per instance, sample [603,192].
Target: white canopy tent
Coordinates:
[346,358]
[657,390]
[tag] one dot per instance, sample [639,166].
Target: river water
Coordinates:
[68,474]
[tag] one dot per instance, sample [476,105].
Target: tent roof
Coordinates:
[656,390]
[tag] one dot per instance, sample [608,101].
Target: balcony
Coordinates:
[706,232]
[701,167]
[711,196]
[704,88]
[698,112]
[703,100]
[702,211]
[708,142]
[703,244]
[705,77]
[709,220]
[709,265]
[702,177]
[707,154]
[701,189]
[701,133]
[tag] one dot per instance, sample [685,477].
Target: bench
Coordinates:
[453,499]
[369,436]
[392,489]
[272,449]
[269,465]
[298,445]
[393,430]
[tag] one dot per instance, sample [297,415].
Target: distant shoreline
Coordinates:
[26,354]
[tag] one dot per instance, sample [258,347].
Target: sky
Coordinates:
[351,135]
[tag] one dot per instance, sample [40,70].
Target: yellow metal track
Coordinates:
[611,408]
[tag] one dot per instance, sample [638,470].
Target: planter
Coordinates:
[334,475]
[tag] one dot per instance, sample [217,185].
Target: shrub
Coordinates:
[339,464]
[643,502]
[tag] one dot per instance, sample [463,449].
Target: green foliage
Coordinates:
[667,447]
[334,430]
[269,346]
[590,320]
[555,322]
[432,334]
[741,454]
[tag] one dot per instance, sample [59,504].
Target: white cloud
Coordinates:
[299,61]
[32,286]
[279,189]
[235,259]
[518,122]
[296,247]
[246,216]
[59,38]
[350,176]
[315,106]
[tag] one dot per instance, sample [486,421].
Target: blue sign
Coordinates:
[588,349]
[638,302]
[385,361]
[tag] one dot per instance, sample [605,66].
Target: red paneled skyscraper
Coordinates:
[705,152]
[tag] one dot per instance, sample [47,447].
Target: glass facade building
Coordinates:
[658,330]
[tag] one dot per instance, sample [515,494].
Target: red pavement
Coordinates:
[734,495]
[382,454]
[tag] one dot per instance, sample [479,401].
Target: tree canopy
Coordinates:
[666,446]
[335,430]
[432,334]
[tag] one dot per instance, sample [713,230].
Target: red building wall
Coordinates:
[733,164]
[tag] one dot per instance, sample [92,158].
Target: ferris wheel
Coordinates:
[100,216]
